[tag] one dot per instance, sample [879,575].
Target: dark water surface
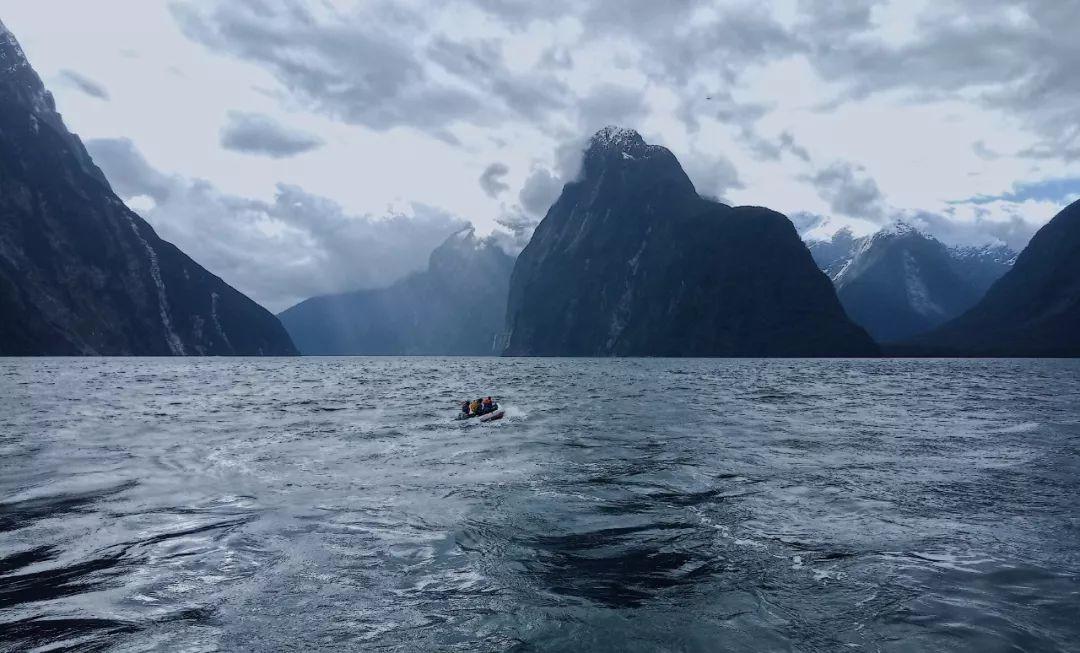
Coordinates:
[305,504]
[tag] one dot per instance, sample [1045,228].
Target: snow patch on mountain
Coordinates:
[917,292]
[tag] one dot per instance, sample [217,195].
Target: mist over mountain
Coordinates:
[1032,310]
[454,307]
[80,273]
[631,261]
[900,281]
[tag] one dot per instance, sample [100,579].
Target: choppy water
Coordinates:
[254,504]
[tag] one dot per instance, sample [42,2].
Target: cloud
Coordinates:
[380,64]
[1009,224]
[278,252]
[84,84]
[253,133]
[1017,57]
[610,104]
[128,172]
[520,227]
[848,191]
[491,179]
[540,191]
[713,176]
[1063,190]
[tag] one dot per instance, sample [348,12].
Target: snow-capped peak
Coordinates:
[622,140]
[900,228]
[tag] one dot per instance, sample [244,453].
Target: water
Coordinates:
[745,505]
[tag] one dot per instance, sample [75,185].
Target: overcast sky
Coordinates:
[297,148]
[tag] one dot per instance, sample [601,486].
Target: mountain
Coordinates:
[1033,310]
[80,274]
[899,282]
[833,254]
[630,261]
[455,307]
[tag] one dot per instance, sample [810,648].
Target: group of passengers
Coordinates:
[478,407]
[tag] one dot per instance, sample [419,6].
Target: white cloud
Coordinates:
[930,102]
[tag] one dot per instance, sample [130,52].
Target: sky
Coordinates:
[300,147]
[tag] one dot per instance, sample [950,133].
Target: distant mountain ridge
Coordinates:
[454,307]
[631,261]
[80,273]
[1032,310]
[900,281]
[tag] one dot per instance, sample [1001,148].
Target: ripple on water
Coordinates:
[269,504]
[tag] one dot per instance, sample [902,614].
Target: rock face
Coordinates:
[80,274]
[455,307]
[900,282]
[630,261]
[1033,310]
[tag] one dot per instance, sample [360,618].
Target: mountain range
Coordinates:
[900,281]
[631,261]
[454,307]
[1032,310]
[82,274]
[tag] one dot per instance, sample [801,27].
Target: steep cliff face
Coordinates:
[455,307]
[1033,310]
[81,274]
[630,261]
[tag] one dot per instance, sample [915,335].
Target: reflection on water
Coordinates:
[258,504]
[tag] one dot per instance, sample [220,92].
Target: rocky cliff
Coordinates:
[80,273]
[630,261]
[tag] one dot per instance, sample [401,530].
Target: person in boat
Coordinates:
[465,409]
[474,407]
[488,405]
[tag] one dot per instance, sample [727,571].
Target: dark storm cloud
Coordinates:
[84,84]
[491,179]
[278,252]
[848,191]
[253,133]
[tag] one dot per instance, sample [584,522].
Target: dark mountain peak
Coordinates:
[621,144]
[19,80]
[630,261]
[464,249]
[632,163]
[619,140]
[21,86]
[82,274]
